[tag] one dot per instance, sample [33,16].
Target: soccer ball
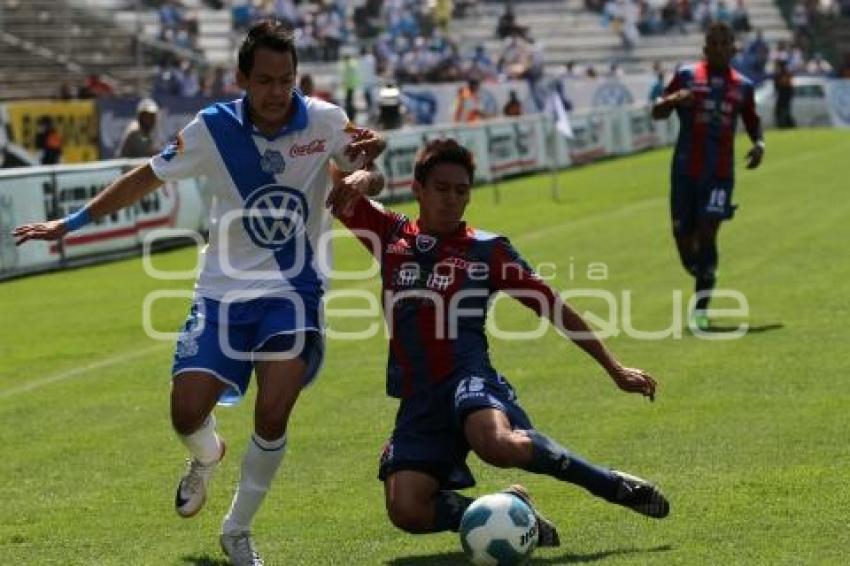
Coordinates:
[498,529]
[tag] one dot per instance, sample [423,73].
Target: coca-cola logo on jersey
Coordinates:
[315,146]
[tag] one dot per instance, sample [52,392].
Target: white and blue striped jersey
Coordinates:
[268,213]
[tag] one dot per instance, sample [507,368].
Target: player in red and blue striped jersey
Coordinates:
[708,97]
[439,276]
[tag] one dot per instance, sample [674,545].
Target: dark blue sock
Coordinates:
[448,510]
[707,258]
[552,459]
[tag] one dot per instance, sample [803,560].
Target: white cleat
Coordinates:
[192,489]
[239,548]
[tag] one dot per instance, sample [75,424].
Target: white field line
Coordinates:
[132,355]
[80,371]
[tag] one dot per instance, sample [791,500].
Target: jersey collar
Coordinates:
[460,232]
[298,122]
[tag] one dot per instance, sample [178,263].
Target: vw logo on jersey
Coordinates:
[273,215]
[425,243]
[272,162]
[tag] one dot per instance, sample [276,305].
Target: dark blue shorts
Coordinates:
[225,340]
[428,435]
[692,198]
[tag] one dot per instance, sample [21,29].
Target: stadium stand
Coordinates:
[128,43]
[69,43]
[569,31]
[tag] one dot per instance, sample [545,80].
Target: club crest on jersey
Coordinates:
[425,243]
[273,215]
[272,162]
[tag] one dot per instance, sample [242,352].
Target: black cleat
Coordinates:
[641,496]
[547,533]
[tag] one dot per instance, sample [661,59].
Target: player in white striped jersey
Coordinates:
[258,297]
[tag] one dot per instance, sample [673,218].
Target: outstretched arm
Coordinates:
[124,191]
[514,276]
[366,218]
[570,323]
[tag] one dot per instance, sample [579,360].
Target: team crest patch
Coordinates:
[272,162]
[187,345]
[425,243]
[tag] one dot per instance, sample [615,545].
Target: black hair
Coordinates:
[720,28]
[270,34]
[442,151]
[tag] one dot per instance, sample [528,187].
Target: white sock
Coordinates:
[204,444]
[259,465]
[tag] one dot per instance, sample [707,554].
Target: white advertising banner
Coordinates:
[628,90]
[592,136]
[23,198]
[403,145]
[433,104]
[397,161]
[47,193]
[516,146]
[640,131]
[838,98]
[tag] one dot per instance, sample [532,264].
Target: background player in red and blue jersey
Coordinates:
[439,276]
[708,98]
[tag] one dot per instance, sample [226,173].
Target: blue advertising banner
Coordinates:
[116,114]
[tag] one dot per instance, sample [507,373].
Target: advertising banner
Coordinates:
[516,146]
[75,121]
[838,98]
[626,90]
[23,198]
[397,161]
[48,193]
[641,132]
[592,136]
[430,104]
[116,114]
[126,228]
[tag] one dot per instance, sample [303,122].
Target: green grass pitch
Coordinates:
[748,437]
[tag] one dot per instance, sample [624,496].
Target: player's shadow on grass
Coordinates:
[752,329]
[458,558]
[205,560]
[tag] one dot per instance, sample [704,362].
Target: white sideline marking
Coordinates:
[76,372]
[623,211]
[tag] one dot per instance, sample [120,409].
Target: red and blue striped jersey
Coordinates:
[436,294]
[707,127]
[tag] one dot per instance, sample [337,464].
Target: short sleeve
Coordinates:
[186,156]
[372,223]
[341,127]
